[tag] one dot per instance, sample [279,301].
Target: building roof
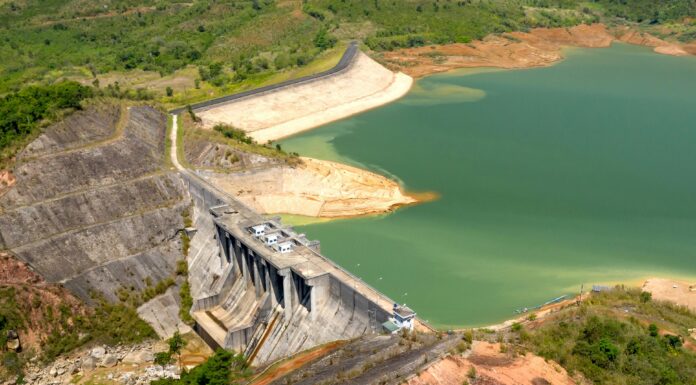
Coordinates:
[390,326]
[404,311]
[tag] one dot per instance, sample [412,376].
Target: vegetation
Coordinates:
[135,298]
[108,323]
[182,270]
[226,41]
[186,303]
[176,343]
[233,133]
[619,337]
[234,138]
[21,113]
[222,46]
[223,368]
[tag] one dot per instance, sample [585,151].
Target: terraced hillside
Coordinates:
[93,207]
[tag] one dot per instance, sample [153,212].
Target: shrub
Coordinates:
[163,358]
[645,296]
[21,112]
[233,133]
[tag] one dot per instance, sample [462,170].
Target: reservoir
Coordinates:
[549,178]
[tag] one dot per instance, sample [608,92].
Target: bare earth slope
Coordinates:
[680,292]
[93,207]
[492,367]
[314,188]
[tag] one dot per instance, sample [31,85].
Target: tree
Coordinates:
[323,40]
[176,343]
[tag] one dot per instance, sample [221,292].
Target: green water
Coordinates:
[550,178]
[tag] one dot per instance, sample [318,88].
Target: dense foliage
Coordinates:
[614,338]
[21,112]
[651,11]
[223,368]
[227,40]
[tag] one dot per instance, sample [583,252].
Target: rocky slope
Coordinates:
[93,207]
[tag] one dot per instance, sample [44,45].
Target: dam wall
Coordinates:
[269,293]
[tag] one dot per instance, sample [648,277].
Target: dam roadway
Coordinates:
[264,301]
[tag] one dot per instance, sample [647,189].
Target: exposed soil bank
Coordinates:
[492,367]
[537,48]
[316,188]
[679,292]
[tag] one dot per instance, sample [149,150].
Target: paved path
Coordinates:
[172,137]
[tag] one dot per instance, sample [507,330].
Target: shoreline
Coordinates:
[662,283]
[540,47]
[319,189]
[367,84]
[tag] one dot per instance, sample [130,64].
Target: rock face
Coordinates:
[13,343]
[92,206]
[115,364]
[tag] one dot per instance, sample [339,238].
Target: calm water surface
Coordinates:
[581,173]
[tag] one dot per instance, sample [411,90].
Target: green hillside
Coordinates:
[227,41]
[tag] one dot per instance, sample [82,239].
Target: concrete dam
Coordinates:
[262,289]
[258,286]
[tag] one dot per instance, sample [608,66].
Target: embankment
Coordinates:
[288,110]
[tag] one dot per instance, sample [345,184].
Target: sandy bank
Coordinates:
[537,48]
[364,85]
[680,292]
[315,188]
[492,367]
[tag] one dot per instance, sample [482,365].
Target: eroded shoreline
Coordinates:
[539,47]
[327,189]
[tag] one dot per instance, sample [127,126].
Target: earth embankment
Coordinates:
[269,116]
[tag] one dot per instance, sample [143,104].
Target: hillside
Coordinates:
[181,52]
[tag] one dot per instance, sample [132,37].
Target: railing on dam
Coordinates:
[342,64]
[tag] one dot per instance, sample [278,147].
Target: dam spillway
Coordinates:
[270,294]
